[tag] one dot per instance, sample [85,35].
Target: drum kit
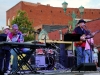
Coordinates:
[45,58]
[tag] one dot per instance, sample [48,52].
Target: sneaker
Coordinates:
[5,73]
[8,71]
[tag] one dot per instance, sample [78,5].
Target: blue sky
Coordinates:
[7,4]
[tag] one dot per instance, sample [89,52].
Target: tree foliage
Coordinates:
[25,25]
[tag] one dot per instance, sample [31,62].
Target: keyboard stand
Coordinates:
[15,46]
[24,61]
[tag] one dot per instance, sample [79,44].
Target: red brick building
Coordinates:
[46,14]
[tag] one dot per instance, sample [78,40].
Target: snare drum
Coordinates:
[40,51]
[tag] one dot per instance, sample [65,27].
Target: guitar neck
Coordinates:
[94,33]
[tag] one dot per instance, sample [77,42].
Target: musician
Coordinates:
[5,53]
[17,36]
[95,56]
[81,45]
[90,51]
[88,48]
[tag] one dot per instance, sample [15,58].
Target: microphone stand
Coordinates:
[35,36]
[57,65]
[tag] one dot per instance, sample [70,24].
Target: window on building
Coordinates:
[30,10]
[77,11]
[60,11]
[8,21]
[51,11]
[41,10]
[13,17]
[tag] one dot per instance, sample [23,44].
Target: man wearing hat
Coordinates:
[5,52]
[80,46]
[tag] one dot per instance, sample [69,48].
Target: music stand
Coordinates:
[72,37]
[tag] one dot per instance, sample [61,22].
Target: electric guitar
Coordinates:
[84,37]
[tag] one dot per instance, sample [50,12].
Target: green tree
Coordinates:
[25,25]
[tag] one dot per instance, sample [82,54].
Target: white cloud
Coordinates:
[71,3]
[77,3]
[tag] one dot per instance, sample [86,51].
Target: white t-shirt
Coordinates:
[95,53]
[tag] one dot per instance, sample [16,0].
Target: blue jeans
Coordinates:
[88,56]
[80,55]
[4,58]
[15,58]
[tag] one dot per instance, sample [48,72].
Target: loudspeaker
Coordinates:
[85,67]
[99,59]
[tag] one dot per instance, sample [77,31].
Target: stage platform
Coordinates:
[60,72]
[63,73]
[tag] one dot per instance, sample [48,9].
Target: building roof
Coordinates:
[50,28]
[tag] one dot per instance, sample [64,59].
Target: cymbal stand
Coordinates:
[57,64]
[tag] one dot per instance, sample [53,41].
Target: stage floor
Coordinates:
[63,73]
[60,72]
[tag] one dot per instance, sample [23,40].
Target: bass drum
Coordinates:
[50,62]
[40,61]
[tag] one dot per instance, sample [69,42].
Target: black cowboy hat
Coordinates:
[81,21]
